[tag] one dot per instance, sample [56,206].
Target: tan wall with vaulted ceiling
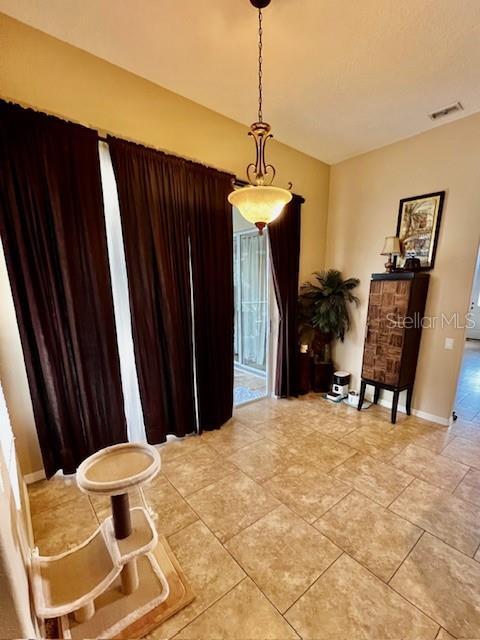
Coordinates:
[40,71]
[364,198]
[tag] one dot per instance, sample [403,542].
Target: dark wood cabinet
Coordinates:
[396,307]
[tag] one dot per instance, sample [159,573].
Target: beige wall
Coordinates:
[364,198]
[16,618]
[38,70]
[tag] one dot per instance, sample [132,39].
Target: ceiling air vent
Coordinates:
[446,111]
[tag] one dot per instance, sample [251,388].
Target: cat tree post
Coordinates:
[122,526]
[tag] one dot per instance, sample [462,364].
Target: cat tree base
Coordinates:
[133,616]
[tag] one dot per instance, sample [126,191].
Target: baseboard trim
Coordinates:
[36,476]
[445,422]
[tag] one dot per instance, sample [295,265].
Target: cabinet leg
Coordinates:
[395,406]
[376,395]
[361,397]
[409,400]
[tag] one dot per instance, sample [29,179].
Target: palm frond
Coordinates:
[323,304]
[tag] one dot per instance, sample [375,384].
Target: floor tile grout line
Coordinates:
[247,574]
[222,479]
[404,597]
[469,468]
[94,510]
[437,537]
[243,528]
[361,562]
[261,483]
[315,582]
[226,455]
[401,515]
[401,492]
[476,551]
[388,585]
[419,476]
[181,498]
[456,459]
[282,469]
[304,516]
[352,489]
[249,525]
[245,577]
[422,533]
[196,616]
[244,571]
[307,523]
[446,491]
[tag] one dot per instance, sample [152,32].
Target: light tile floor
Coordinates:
[467,402]
[301,518]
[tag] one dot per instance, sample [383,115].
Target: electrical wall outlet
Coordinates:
[449,342]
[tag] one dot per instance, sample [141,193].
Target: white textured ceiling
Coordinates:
[341,76]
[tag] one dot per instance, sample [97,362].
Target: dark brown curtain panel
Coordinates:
[53,234]
[152,191]
[284,237]
[211,236]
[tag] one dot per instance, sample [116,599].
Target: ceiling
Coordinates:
[341,76]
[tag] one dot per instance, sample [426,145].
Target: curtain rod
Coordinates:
[237,182]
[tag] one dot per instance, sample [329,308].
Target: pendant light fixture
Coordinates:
[259,202]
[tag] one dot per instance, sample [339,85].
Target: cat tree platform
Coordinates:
[124,580]
[134,615]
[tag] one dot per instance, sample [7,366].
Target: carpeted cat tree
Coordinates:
[123,580]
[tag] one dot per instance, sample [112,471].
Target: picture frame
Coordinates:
[418,227]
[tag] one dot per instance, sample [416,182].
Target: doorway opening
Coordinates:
[251,276]
[467,400]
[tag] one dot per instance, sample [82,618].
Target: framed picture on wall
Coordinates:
[418,226]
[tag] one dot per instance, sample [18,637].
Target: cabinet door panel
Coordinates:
[384,340]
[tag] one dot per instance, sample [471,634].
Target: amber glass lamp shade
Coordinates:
[260,205]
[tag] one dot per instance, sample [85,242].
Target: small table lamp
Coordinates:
[391,248]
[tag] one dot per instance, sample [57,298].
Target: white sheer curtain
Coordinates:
[253,282]
[118,273]
[7,449]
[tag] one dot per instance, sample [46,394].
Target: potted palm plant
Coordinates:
[323,316]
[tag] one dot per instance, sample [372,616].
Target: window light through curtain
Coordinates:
[118,273]
[7,449]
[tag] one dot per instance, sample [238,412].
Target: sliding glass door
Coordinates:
[252,317]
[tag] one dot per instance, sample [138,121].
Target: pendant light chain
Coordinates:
[260,66]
